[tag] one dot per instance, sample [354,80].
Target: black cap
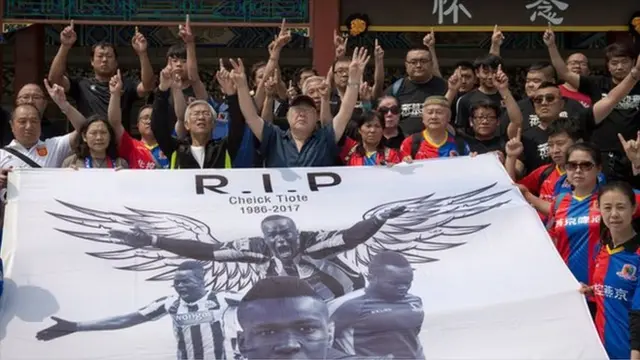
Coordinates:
[303,100]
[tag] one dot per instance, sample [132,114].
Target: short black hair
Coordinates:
[277,287]
[143,108]
[103,45]
[546,68]
[464,65]
[547,84]
[567,126]
[81,148]
[276,218]
[382,259]
[191,265]
[488,61]
[303,70]
[13,113]
[619,50]
[177,51]
[485,103]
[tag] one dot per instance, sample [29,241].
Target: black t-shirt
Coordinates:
[394,142]
[624,119]
[411,96]
[496,143]
[463,108]
[534,140]
[454,106]
[92,97]
[572,108]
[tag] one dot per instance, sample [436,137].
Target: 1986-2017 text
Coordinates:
[268,204]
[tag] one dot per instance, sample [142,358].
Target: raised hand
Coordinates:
[184,31]
[139,42]
[429,40]
[631,148]
[292,92]
[282,39]
[135,238]
[366,92]
[454,82]
[359,62]
[223,76]
[497,37]
[270,86]
[68,35]
[549,37]
[239,74]
[340,43]
[177,81]
[500,80]
[166,78]
[115,84]
[378,52]
[59,329]
[514,147]
[56,92]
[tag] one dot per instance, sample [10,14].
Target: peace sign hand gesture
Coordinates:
[68,36]
[56,92]
[514,146]
[631,149]
[282,39]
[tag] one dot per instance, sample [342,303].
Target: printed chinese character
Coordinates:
[595,219]
[546,9]
[608,291]
[543,151]
[571,221]
[621,294]
[597,289]
[583,220]
[559,222]
[452,8]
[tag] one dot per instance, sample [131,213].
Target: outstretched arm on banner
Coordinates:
[64,327]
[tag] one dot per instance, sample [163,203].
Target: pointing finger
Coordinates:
[495,28]
[188,21]
[622,140]
[137,31]
[290,84]
[518,134]
[376,42]
[282,26]
[71,24]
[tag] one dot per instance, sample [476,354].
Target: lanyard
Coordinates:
[88,162]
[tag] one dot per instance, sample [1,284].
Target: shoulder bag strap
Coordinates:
[22,157]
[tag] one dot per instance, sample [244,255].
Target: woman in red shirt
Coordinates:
[369,150]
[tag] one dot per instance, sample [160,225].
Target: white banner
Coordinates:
[152,265]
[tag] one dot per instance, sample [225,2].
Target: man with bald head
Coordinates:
[33,94]
[577,63]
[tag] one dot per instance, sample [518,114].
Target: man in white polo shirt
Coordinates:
[27,150]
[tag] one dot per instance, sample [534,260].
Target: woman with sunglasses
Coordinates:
[370,149]
[389,107]
[574,216]
[614,282]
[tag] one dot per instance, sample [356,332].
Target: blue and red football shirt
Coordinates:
[430,150]
[615,290]
[574,225]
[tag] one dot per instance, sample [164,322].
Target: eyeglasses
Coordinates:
[583,165]
[395,110]
[549,98]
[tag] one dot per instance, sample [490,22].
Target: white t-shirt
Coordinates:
[198,154]
[48,154]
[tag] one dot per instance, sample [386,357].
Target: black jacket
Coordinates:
[215,151]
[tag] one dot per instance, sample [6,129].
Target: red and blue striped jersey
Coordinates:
[574,225]
[430,150]
[615,287]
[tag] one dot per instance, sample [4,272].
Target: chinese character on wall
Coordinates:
[449,7]
[547,9]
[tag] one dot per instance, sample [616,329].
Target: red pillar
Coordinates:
[325,17]
[28,56]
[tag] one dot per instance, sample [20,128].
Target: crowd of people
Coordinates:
[571,144]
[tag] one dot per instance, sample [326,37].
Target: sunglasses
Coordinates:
[395,110]
[584,166]
[549,98]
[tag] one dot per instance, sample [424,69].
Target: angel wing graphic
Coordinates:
[221,276]
[414,227]
[429,224]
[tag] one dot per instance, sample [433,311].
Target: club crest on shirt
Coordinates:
[628,272]
[42,151]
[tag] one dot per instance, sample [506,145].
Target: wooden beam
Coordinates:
[153,23]
[489,28]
